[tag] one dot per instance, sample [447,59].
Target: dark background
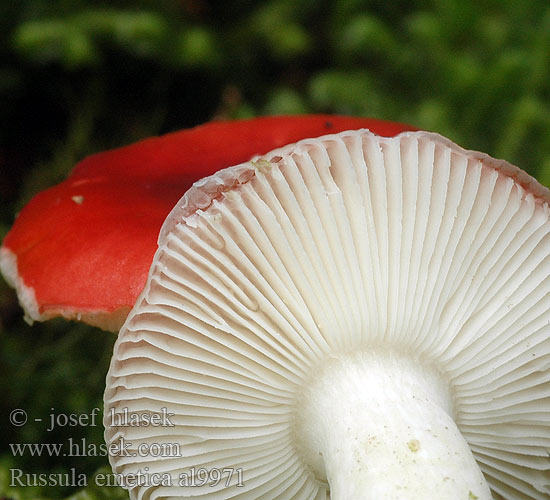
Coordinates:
[77,77]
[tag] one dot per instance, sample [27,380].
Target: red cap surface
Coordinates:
[82,249]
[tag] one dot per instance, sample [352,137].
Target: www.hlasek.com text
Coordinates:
[83,448]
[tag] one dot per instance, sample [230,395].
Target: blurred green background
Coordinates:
[77,77]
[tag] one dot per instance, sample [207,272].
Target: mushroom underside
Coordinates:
[347,250]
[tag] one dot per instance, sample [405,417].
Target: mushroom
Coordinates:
[82,249]
[354,315]
[351,316]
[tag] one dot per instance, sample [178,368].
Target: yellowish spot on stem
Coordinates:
[414,445]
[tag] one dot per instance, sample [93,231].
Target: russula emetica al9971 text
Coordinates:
[353,315]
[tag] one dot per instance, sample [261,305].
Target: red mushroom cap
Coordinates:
[82,249]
